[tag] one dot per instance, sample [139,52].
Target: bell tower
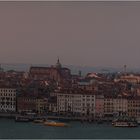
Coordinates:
[58,64]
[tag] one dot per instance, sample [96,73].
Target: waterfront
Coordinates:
[15,130]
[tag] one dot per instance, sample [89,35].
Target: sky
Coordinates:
[79,33]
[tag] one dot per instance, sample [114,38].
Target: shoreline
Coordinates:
[60,118]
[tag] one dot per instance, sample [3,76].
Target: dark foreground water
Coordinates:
[11,129]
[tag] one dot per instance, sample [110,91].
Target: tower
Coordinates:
[58,64]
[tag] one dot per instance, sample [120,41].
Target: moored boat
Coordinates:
[21,119]
[124,123]
[38,121]
[57,124]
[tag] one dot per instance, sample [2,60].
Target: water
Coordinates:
[17,130]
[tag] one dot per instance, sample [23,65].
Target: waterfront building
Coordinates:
[99,106]
[52,104]
[134,107]
[7,99]
[108,107]
[76,103]
[120,105]
[41,105]
[26,103]
[32,103]
[69,103]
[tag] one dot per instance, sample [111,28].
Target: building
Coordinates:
[41,105]
[99,106]
[7,99]
[26,103]
[76,103]
[55,73]
[108,107]
[86,84]
[52,105]
[120,105]
[131,78]
[134,107]
[32,103]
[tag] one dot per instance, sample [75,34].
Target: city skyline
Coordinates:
[80,33]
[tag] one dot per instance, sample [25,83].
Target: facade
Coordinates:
[99,106]
[31,104]
[7,99]
[88,105]
[76,103]
[134,107]
[44,73]
[86,86]
[52,104]
[26,104]
[108,107]
[56,73]
[120,105]
[41,105]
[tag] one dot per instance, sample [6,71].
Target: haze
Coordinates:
[80,33]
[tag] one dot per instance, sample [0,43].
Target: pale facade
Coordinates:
[41,105]
[7,99]
[99,106]
[108,106]
[120,105]
[78,104]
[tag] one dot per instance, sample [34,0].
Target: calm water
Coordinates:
[11,129]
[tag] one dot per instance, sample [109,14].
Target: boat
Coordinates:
[38,121]
[124,124]
[21,119]
[53,123]
[124,121]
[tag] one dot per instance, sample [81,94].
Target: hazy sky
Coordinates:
[80,33]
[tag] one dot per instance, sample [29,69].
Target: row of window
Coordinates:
[133,110]
[76,96]
[7,107]
[88,100]
[5,94]
[7,103]
[67,100]
[7,90]
[7,98]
